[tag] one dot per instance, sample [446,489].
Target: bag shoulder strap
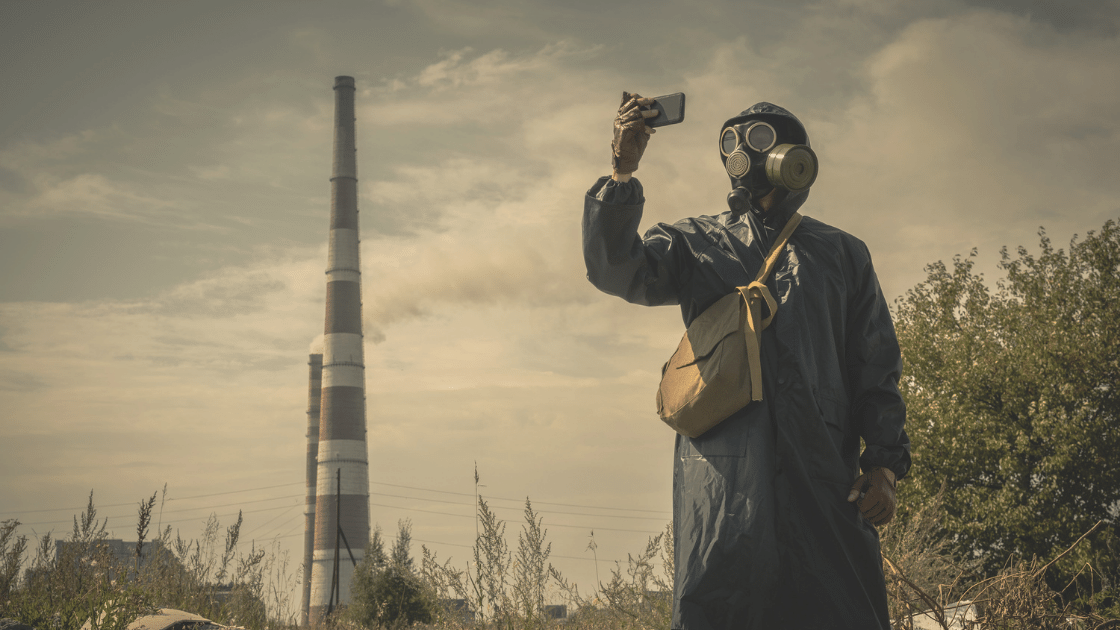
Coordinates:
[751,320]
[779,245]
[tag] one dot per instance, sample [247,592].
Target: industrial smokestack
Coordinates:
[342,426]
[314,389]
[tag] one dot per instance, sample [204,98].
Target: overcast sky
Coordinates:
[164,202]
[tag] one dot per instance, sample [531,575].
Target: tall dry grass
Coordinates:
[924,580]
[506,587]
[61,587]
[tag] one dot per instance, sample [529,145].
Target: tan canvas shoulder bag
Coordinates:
[717,368]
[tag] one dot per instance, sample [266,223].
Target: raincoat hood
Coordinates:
[784,121]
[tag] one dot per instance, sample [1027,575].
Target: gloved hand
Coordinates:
[630,133]
[873,493]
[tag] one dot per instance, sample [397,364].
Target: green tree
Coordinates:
[1012,397]
[386,592]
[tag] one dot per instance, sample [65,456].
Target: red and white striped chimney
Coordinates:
[342,423]
[314,389]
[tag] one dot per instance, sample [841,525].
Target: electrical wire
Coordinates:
[197,496]
[467,494]
[469,547]
[397,507]
[179,520]
[203,496]
[250,532]
[502,507]
[210,507]
[289,533]
[289,496]
[63,509]
[408,487]
[609,529]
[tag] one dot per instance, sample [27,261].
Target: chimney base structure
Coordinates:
[343,457]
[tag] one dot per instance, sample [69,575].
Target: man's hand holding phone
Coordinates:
[633,125]
[631,134]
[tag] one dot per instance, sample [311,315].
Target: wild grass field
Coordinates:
[506,586]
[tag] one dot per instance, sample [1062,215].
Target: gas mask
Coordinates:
[757,163]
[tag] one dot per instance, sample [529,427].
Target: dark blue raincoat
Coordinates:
[765,536]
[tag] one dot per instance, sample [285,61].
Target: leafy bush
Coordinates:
[386,592]
[1011,397]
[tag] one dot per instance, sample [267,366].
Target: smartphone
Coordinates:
[670,110]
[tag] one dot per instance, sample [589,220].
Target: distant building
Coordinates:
[654,598]
[958,615]
[459,609]
[121,554]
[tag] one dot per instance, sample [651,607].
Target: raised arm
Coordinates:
[619,262]
[640,270]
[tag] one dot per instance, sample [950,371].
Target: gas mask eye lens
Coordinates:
[761,137]
[728,141]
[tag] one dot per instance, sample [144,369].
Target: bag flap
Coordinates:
[714,324]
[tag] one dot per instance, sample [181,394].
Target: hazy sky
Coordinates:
[164,203]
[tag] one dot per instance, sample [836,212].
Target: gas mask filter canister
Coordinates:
[754,157]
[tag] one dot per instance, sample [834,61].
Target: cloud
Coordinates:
[60,178]
[90,193]
[200,378]
[459,69]
[504,266]
[935,133]
[934,152]
[479,18]
[1100,17]
[243,317]
[14,380]
[487,89]
[166,375]
[49,184]
[976,129]
[209,161]
[230,293]
[314,41]
[26,155]
[404,201]
[460,229]
[477,220]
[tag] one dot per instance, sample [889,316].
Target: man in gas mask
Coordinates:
[775,508]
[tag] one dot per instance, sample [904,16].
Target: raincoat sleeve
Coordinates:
[874,366]
[640,270]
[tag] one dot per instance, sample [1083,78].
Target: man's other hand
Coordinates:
[631,134]
[873,493]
